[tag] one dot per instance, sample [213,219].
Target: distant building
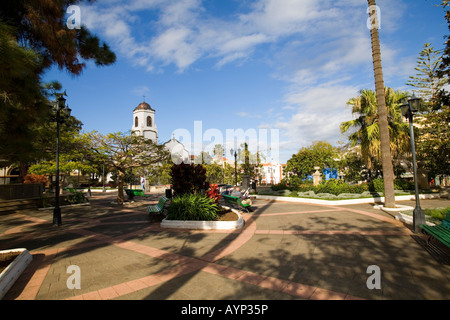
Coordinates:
[178,152]
[272,173]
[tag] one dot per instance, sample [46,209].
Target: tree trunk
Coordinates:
[23,171]
[386,157]
[120,198]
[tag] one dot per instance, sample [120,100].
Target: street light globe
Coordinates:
[415,103]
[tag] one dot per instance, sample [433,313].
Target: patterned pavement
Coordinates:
[286,251]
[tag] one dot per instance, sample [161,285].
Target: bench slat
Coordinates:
[159,207]
[235,201]
[440,232]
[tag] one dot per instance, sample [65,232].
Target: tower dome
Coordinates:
[144,106]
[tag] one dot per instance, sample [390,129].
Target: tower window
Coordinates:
[136,122]
[149,121]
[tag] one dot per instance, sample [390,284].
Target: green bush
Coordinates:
[76,197]
[280,187]
[192,207]
[377,185]
[403,185]
[337,187]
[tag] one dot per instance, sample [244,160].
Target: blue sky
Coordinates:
[288,65]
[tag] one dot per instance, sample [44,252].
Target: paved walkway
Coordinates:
[285,251]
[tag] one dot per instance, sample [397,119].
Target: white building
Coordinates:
[178,152]
[144,122]
[272,173]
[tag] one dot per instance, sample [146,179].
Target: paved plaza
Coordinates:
[286,251]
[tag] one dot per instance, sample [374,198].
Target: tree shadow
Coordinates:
[334,262]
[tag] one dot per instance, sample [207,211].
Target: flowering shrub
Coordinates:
[35,178]
[213,193]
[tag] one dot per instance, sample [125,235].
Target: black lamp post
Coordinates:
[408,109]
[60,114]
[235,165]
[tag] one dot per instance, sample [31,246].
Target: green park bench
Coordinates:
[236,202]
[159,207]
[440,232]
[131,193]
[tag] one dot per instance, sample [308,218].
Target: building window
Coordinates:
[136,122]
[149,121]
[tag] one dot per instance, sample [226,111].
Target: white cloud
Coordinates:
[180,34]
[173,46]
[142,91]
[319,112]
[282,17]
[248,115]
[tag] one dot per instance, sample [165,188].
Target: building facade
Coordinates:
[272,173]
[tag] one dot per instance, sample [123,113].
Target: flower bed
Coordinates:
[221,224]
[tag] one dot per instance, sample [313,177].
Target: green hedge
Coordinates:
[338,187]
[192,207]
[377,185]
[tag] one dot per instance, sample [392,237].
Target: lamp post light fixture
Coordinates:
[410,107]
[60,113]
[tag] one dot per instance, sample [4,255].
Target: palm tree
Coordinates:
[366,125]
[386,157]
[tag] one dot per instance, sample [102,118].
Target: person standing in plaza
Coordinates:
[142,183]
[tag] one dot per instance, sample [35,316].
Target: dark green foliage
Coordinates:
[332,186]
[320,153]
[41,25]
[377,185]
[33,38]
[76,197]
[338,187]
[195,207]
[188,179]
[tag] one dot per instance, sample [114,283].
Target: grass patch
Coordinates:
[435,215]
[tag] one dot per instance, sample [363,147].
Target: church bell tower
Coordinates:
[144,122]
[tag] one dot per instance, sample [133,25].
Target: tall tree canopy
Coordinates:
[320,154]
[123,152]
[427,81]
[433,148]
[22,100]
[365,128]
[42,27]
[33,37]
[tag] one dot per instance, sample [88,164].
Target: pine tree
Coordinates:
[42,26]
[426,81]
[34,37]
